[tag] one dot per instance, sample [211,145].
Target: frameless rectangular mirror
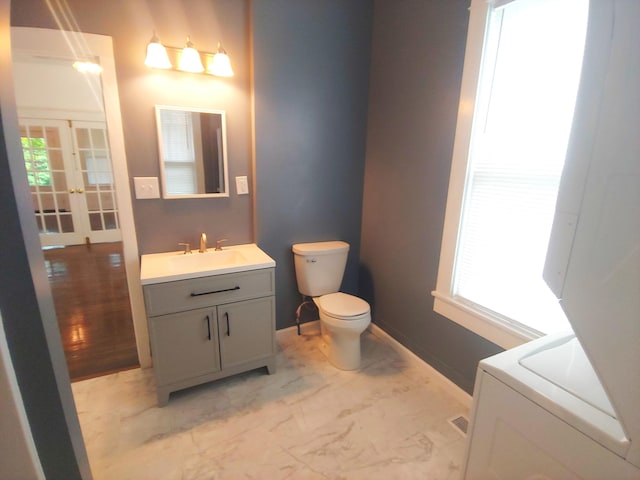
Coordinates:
[193,152]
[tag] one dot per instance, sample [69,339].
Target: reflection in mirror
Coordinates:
[193,152]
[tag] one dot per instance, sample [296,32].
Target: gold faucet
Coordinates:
[203,243]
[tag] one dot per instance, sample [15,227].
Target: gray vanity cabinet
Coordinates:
[208,328]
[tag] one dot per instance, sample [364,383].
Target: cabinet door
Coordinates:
[184,345]
[246,331]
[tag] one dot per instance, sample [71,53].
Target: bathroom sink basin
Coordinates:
[171,266]
[208,260]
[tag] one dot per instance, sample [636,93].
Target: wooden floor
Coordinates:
[92,305]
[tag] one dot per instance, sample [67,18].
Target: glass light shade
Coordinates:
[221,65]
[157,55]
[190,59]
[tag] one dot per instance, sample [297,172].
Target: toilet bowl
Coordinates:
[343,318]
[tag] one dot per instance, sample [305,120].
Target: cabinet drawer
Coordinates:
[170,297]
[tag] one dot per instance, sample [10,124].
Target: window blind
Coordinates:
[178,152]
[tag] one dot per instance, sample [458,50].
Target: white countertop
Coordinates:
[172,266]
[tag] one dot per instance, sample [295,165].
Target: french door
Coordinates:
[70,176]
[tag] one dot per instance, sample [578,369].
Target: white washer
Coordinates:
[540,412]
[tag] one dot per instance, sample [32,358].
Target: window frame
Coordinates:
[492,326]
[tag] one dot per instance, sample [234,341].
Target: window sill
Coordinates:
[494,329]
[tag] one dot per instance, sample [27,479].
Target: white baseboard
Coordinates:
[446,384]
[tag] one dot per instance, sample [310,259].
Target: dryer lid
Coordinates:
[343,305]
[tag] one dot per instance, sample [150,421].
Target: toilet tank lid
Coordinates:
[320,248]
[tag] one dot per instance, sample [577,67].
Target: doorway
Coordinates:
[70,176]
[80,185]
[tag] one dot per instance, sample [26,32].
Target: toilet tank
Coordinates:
[320,266]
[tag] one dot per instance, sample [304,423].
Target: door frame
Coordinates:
[58,44]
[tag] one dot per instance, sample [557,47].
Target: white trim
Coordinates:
[500,334]
[59,114]
[123,194]
[470,75]
[14,415]
[451,388]
[503,335]
[58,43]
[500,3]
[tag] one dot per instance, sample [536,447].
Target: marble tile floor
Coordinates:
[388,420]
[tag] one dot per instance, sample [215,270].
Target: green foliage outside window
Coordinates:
[36,161]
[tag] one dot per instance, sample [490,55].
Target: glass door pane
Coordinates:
[48,161]
[96,175]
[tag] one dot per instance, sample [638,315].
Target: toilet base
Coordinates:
[342,350]
[345,359]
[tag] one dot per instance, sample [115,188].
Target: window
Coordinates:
[508,157]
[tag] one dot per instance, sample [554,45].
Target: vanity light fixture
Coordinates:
[187,59]
[156,54]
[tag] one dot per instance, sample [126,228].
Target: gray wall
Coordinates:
[25,302]
[311,62]
[416,69]
[161,224]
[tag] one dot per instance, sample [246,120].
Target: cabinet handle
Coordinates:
[226,314]
[216,291]
[208,327]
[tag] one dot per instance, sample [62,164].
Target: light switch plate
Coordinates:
[146,187]
[242,185]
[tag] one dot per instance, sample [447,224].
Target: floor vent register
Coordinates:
[460,423]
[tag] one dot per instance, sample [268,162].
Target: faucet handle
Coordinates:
[219,244]
[187,247]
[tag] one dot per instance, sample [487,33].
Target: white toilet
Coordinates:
[319,270]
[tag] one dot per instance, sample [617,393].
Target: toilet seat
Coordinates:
[343,306]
